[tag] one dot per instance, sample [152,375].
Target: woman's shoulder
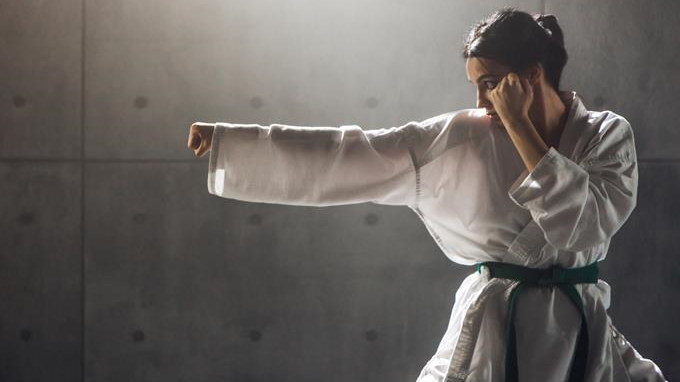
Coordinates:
[461,119]
[608,134]
[602,121]
[450,130]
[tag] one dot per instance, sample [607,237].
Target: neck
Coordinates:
[548,114]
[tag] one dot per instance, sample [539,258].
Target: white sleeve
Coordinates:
[579,205]
[313,165]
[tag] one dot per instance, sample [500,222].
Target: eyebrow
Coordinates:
[483,77]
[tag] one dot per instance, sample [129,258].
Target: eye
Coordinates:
[490,84]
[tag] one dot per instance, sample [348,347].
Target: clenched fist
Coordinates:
[200,137]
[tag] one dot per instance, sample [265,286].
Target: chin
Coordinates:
[495,121]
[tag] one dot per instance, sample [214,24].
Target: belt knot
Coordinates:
[551,276]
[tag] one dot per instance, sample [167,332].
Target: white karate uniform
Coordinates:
[463,177]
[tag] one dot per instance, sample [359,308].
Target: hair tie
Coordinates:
[542,20]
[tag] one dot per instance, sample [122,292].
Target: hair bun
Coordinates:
[549,23]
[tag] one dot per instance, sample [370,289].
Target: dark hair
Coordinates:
[518,39]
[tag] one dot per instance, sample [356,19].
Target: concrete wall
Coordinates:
[117,265]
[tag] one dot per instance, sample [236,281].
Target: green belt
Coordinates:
[555,276]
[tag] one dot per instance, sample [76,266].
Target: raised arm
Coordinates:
[315,165]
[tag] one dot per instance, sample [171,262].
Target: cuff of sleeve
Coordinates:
[531,182]
[214,155]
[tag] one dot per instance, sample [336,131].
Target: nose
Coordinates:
[483,101]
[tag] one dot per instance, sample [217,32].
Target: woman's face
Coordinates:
[485,74]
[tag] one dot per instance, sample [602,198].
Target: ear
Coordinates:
[534,73]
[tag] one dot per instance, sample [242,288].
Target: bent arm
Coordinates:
[579,205]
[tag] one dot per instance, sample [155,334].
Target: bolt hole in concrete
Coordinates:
[255,219]
[139,218]
[371,102]
[254,335]
[26,218]
[141,102]
[371,335]
[256,102]
[138,336]
[371,219]
[25,335]
[19,101]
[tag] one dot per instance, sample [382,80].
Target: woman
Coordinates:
[530,186]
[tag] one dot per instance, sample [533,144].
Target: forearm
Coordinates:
[527,141]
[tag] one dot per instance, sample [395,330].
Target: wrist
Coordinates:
[518,121]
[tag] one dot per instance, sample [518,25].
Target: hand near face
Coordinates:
[512,97]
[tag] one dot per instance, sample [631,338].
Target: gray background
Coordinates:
[117,265]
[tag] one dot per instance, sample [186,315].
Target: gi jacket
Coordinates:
[463,177]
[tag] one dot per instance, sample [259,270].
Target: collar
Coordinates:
[577,121]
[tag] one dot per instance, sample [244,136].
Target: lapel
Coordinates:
[574,127]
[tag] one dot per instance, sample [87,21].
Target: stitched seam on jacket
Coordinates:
[625,157]
[412,154]
[469,333]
